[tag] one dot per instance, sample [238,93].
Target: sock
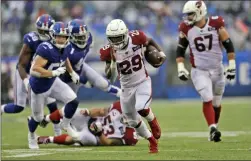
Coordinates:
[142,130]
[52,107]
[54,116]
[217,111]
[12,108]
[32,124]
[70,108]
[60,139]
[147,114]
[113,90]
[209,112]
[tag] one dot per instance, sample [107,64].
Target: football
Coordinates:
[153,56]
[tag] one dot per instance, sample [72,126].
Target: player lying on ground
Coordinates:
[81,42]
[205,37]
[51,60]
[125,52]
[97,126]
[31,41]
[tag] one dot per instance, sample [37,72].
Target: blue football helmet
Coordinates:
[59,29]
[43,25]
[79,33]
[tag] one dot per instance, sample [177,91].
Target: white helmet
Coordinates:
[117,34]
[196,8]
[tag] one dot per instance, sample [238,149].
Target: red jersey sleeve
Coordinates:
[105,53]
[116,105]
[184,28]
[217,22]
[130,137]
[138,37]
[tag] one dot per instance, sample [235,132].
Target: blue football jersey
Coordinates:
[77,56]
[56,58]
[32,40]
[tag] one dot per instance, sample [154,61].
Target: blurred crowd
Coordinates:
[158,19]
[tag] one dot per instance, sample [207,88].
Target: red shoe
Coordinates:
[43,140]
[153,145]
[154,125]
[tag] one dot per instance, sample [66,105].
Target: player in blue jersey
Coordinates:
[81,41]
[50,61]
[31,41]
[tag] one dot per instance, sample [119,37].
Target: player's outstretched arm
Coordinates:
[37,69]
[95,112]
[228,45]
[23,60]
[183,74]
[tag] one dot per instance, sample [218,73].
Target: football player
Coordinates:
[205,37]
[31,41]
[50,61]
[125,51]
[97,126]
[81,41]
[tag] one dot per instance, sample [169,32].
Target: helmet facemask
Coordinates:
[190,18]
[80,40]
[43,34]
[118,42]
[59,45]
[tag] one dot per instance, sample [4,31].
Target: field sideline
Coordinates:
[184,135]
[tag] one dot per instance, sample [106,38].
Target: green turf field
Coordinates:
[184,136]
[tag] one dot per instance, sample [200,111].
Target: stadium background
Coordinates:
[158,20]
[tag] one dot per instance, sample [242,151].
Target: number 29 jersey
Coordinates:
[130,64]
[204,43]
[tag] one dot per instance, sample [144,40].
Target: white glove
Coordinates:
[183,73]
[58,72]
[75,77]
[231,70]
[26,83]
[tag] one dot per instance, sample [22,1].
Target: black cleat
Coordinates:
[215,135]
[43,123]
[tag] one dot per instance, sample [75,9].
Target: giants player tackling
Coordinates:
[97,126]
[126,49]
[204,36]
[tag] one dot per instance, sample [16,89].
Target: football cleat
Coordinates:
[32,141]
[155,128]
[43,140]
[214,135]
[153,145]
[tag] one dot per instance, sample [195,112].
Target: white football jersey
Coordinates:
[130,63]
[204,43]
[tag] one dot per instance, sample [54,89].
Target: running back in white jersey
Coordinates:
[204,43]
[130,64]
[114,128]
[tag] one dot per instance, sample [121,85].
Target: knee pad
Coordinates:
[219,89]
[206,95]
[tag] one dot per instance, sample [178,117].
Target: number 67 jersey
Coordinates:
[204,43]
[130,64]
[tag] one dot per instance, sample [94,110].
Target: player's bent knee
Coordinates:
[102,84]
[206,95]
